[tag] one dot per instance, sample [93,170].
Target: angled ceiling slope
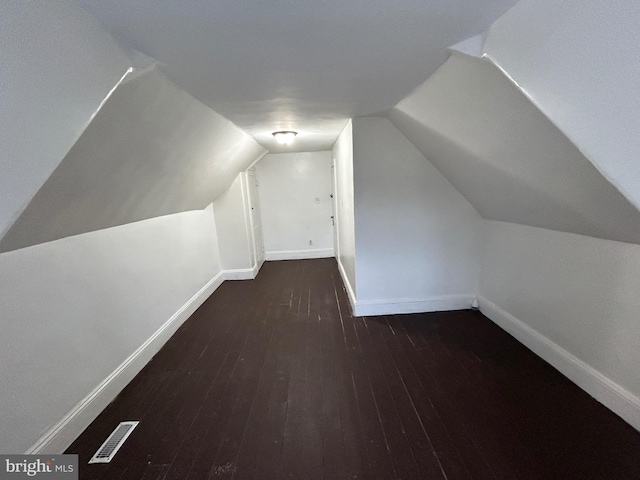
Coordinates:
[306,66]
[58,65]
[151,150]
[578,62]
[506,157]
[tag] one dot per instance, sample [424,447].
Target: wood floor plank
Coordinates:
[268,461]
[432,371]
[274,378]
[376,440]
[421,392]
[419,441]
[355,447]
[402,458]
[332,392]
[257,426]
[225,463]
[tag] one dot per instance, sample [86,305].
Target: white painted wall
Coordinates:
[417,238]
[296,205]
[72,311]
[234,240]
[58,65]
[151,150]
[573,300]
[342,154]
[578,61]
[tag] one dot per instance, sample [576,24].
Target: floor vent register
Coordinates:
[112,444]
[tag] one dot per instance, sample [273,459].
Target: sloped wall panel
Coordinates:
[506,157]
[151,150]
[57,67]
[578,62]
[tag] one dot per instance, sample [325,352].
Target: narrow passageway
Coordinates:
[273,378]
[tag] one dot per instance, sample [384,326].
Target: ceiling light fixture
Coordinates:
[284,137]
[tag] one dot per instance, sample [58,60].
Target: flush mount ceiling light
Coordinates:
[284,137]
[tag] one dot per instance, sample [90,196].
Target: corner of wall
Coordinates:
[417,237]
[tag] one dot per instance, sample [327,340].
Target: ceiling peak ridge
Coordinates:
[472,46]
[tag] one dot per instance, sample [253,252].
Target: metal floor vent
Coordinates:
[112,444]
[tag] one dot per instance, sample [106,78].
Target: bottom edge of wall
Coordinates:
[616,398]
[299,254]
[244,273]
[444,303]
[347,285]
[62,435]
[371,308]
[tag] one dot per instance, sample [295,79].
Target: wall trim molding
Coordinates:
[398,306]
[347,284]
[243,273]
[602,388]
[258,266]
[393,306]
[238,274]
[300,254]
[63,433]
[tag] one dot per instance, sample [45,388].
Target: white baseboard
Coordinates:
[350,293]
[58,439]
[367,308]
[243,273]
[239,274]
[370,308]
[602,388]
[300,254]
[258,266]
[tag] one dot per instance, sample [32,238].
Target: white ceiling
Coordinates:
[305,65]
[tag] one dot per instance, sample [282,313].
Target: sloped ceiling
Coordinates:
[151,150]
[506,157]
[57,64]
[578,62]
[306,65]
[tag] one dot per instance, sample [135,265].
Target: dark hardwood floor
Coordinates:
[273,378]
